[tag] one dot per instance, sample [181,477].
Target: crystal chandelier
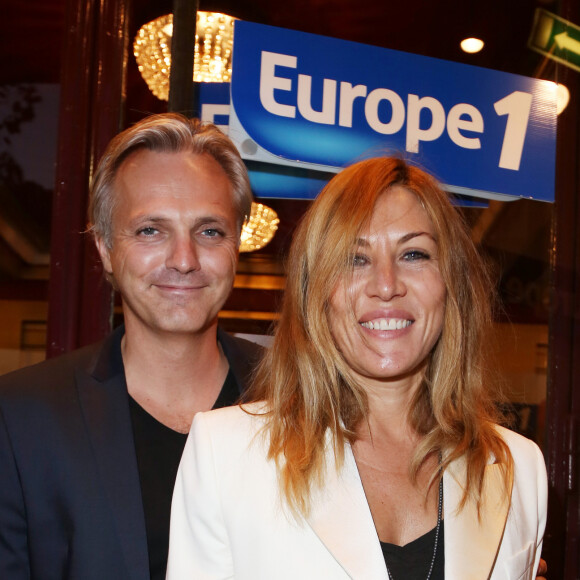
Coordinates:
[213,51]
[259,229]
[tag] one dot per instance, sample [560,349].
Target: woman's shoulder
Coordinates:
[231,422]
[514,439]
[242,412]
[230,439]
[523,450]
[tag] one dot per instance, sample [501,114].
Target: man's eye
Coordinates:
[212,233]
[416,255]
[149,231]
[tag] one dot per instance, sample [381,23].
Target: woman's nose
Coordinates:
[386,281]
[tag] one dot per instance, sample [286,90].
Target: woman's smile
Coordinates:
[387,312]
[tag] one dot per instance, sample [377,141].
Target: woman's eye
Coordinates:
[415,255]
[359,260]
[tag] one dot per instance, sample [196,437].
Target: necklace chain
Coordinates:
[439,514]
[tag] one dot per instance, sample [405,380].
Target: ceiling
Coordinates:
[31,30]
[31,33]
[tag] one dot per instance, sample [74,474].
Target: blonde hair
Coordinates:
[305,380]
[164,133]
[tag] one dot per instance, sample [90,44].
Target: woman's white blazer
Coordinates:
[228,521]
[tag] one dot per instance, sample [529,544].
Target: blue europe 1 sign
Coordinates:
[313,104]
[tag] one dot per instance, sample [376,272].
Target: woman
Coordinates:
[374,450]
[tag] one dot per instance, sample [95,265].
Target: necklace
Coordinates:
[439,513]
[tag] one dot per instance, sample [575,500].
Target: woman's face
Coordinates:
[396,293]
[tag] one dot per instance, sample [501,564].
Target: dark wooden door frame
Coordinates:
[95,52]
[91,110]
[561,547]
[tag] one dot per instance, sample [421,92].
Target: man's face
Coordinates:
[175,241]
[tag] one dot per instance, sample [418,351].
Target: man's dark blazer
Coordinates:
[70,497]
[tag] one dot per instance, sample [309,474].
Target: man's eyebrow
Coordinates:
[211,219]
[199,221]
[150,219]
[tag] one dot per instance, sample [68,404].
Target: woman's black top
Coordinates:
[412,561]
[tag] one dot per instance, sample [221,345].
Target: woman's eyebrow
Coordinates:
[411,235]
[403,239]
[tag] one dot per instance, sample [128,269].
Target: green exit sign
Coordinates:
[556,38]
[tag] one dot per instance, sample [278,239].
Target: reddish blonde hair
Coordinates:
[304,378]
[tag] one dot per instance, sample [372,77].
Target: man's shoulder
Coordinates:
[232,343]
[243,356]
[56,372]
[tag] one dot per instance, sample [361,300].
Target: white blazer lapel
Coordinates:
[471,544]
[341,518]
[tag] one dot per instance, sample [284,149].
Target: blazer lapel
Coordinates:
[472,543]
[341,518]
[242,355]
[104,402]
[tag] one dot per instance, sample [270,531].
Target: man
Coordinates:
[90,442]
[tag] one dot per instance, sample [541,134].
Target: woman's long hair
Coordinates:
[309,388]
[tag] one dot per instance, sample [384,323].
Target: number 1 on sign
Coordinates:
[517,107]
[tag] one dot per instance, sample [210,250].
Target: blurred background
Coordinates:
[69,81]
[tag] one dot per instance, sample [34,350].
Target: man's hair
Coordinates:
[165,133]
[310,389]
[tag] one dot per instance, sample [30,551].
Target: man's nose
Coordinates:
[183,255]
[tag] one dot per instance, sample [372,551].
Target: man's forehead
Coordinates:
[146,157]
[155,185]
[148,169]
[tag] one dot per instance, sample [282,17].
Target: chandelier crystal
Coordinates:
[259,229]
[213,51]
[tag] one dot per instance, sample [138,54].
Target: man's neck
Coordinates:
[173,376]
